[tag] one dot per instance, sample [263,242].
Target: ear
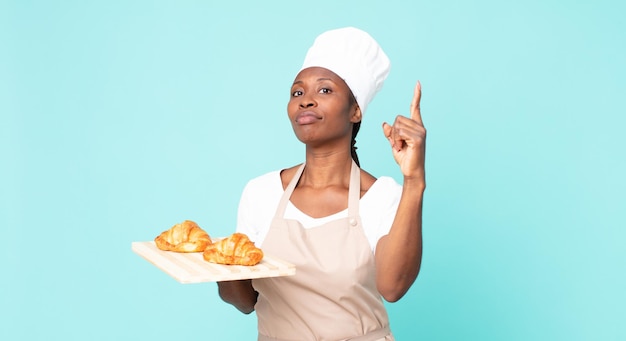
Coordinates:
[356,114]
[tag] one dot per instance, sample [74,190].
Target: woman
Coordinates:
[352,237]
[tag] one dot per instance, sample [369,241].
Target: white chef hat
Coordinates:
[354,56]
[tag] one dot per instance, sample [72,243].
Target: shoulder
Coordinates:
[258,200]
[387,182]
[384,185]
[263,183]
[287,174]
[384,190]
[269,184]
[367,180]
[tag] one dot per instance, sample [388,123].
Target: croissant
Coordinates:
[234,250]
[184,237]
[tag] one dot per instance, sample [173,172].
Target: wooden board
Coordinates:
[192,268]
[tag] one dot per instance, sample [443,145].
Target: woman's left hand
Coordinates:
[407,137]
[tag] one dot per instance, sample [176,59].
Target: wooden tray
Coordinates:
[192,268]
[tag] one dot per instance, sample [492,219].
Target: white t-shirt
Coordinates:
[261,196]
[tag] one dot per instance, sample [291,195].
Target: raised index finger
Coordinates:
[415,104]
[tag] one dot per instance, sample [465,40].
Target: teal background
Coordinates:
[119,119]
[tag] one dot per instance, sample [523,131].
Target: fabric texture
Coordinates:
[354,56]
[261,195]
[333,295]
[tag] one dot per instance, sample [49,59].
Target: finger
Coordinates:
[415,104]
[387,131]
[396,133]
[408,130]
[391,135]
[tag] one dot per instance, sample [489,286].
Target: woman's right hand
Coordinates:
[240,293]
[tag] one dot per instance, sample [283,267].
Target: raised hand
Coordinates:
[407,137]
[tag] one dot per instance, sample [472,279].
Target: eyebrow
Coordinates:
[319,79]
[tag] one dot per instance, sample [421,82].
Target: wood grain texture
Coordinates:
[192,268]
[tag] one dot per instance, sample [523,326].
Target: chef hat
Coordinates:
[354,56]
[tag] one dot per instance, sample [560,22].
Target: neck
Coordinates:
[325,169]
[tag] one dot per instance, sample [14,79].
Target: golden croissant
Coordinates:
[234,250]
[184,237]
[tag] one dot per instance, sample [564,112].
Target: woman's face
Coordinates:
[322,108]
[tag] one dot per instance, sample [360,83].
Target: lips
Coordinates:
[307,117]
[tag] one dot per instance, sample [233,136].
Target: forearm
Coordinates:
[240,294]
[399,253]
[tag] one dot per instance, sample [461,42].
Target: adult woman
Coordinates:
[346,258]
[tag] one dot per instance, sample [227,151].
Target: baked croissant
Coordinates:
[184,237]
[234,250]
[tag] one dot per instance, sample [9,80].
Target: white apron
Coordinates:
[333,294]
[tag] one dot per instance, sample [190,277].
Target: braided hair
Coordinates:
[355,130]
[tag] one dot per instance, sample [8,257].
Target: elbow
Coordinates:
[246,310]
[237,303]
[392,295]
[393,290]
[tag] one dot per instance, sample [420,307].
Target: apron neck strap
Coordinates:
[354,192]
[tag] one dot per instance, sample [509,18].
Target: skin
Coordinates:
[322,112]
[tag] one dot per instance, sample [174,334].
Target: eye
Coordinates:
[296,93]
[325,91]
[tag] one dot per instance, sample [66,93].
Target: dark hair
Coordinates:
[355,130]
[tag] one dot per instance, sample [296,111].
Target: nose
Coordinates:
[306,101]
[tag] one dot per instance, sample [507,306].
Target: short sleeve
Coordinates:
[245,222]
[257,206]
[379,207]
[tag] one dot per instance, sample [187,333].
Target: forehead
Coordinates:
[316,73]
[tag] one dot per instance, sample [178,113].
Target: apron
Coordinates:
[333,294]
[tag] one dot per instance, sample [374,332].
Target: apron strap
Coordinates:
[282,205]
[354,192]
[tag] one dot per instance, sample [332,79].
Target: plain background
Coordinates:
[122,118]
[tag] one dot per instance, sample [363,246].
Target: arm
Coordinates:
[399,253]
[240,294]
